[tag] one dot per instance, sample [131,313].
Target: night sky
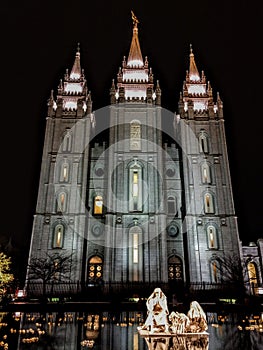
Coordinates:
[39,42]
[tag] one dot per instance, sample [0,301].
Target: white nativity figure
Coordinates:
[157,312]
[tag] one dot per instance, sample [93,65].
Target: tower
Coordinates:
[140,201]
[210,224]
[60,213]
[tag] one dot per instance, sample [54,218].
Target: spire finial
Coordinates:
[134,19]
[193,71]
[78,47]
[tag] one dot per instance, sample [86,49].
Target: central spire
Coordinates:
[193,71]
[135,56]
[135,78]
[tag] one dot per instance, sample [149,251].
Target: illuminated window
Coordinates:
[175,268]
[57,270]
[206,177]
[135,253]
[64,175]
[58,236]
[135,184]
[135,200]
[135,248]
[135,136]
[98,205]
[208,203]
[67,142]
[211,237]
[61,202]
[252,275]
[203,142]
[215,271]
[95,269]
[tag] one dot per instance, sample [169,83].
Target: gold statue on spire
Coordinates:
[134,19]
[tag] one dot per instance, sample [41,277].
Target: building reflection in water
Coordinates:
[180,342]
[118,331]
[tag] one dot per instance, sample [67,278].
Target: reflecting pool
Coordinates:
[118,331]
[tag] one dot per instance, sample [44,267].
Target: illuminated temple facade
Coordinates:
[139,200]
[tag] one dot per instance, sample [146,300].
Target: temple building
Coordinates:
[140,199]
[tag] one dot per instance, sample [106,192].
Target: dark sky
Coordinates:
[39,42]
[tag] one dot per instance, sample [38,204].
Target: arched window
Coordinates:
[171,204]
[95,269]
[58,236]
[57,271]
[135,188]
[252,275]
[206,173]
[135,253]
[175,268]
[203,142]
[208,203]
[215,271]
[212,237]
[64,172]
[135,136]
[67,141]
[61,202]
[98,205]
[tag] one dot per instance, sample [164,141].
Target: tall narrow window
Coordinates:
[67,141]
[135,200]
[208,204]
[215,271]
[135,190]
[135,248]
[56,270]
[203,142]
[206,174]
[212,237]
[252,275]
[61,202]
[135,136]
[135,253]
[58,236]
[172,210]
[64,175]
[98,205]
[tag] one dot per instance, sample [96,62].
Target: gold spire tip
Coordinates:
[134,19]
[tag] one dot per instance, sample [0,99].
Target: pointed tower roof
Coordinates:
[193,71]
[76,69]
[135,78]
[73,92]
[197,92]
[135,54]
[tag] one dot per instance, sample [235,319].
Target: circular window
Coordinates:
[170,172]
[99,171]
[172,229]
[97,229]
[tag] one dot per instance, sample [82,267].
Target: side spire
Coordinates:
[193,71]
[76,69]
[135,56]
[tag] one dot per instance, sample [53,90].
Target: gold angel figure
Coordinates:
[134,18]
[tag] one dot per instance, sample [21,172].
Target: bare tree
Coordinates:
[232,271]
[53,267]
